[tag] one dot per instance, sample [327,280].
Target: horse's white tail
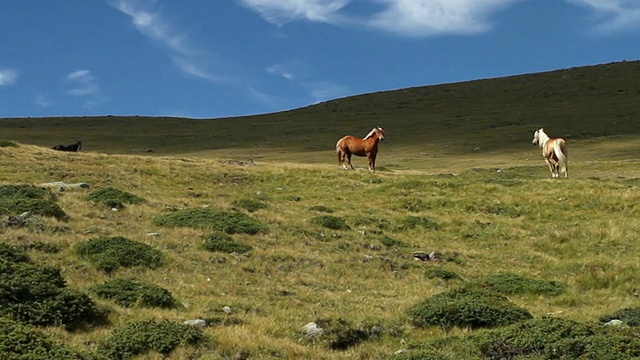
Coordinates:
[338,151]
[560,149]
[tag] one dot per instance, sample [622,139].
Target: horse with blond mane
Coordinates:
[368,146]
[554,152]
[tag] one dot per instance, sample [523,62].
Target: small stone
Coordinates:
[196,322]
[227,310]
[312,330]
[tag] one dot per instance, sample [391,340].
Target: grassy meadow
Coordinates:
[457,176]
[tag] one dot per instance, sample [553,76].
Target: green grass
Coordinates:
[565,249]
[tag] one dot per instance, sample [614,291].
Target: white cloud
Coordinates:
[8,77]
[282,11]
[325,90]
[84,83]
[435,17]
[615,15]
[42,101]
[152,24]
[405,17]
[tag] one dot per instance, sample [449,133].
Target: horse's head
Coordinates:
[379,131]
[536,136]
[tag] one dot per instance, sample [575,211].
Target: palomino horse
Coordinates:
[554,152]
[72,147]
[351,145]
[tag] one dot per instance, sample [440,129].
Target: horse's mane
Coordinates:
[370,134]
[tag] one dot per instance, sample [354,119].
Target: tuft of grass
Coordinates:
[37,294]
[330,222]
[113,198]
[630,316]
[17,199]
[8,143]
[20,341]
[222,242]
[228,222]
[321,208]
[129,293]
[511,284]
[444,274]
[110,253]
[554,338]
[412,222]
[250,205]
[141,337]
[466,308]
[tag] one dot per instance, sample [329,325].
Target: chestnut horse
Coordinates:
[351,145]
[554,152]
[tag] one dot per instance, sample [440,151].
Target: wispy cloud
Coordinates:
[282,11]
[405,17]
[437,17]
[84,83]
[613,15]
[8,76]
[42,101]
[326,90]
[420,18]
[152,24]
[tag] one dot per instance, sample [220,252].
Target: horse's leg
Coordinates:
[349,160]
[372,161]
[551,167]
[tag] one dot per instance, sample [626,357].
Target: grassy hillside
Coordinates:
[259,249]
[496,117]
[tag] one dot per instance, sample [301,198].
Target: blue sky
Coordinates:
[221,58]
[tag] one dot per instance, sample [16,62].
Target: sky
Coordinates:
[227,58]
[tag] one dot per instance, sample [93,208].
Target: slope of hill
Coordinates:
[422,124]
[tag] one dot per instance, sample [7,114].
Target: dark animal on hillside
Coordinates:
[350,145]
[71,147]
[554,152]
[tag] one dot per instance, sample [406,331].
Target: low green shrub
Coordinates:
[391,242]
[510,284]
[8,143]
[37,295]
[466,308]
[110,253]
[444,274]
[341,335]
[129,293]
[229,222]
[630,316]
[16,199]
[113,198]
[12,254]
[330,222]
[320,208]
[222,242]
[412,222]
[250,205]
[20,341]
[140,337]
[554,338]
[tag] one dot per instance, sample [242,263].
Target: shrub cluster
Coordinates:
[467,308]
[221,242]
[110,253]
[140,337]
[113,198]
[321,208]
[341,335]
[510,284]
[412,222]
[250,205]
[444,274]
[330,222]
[129,293]
[16,199]
[554,338]
[8,143]
[630,316]
[38,295]
[19,341]
[229,222]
